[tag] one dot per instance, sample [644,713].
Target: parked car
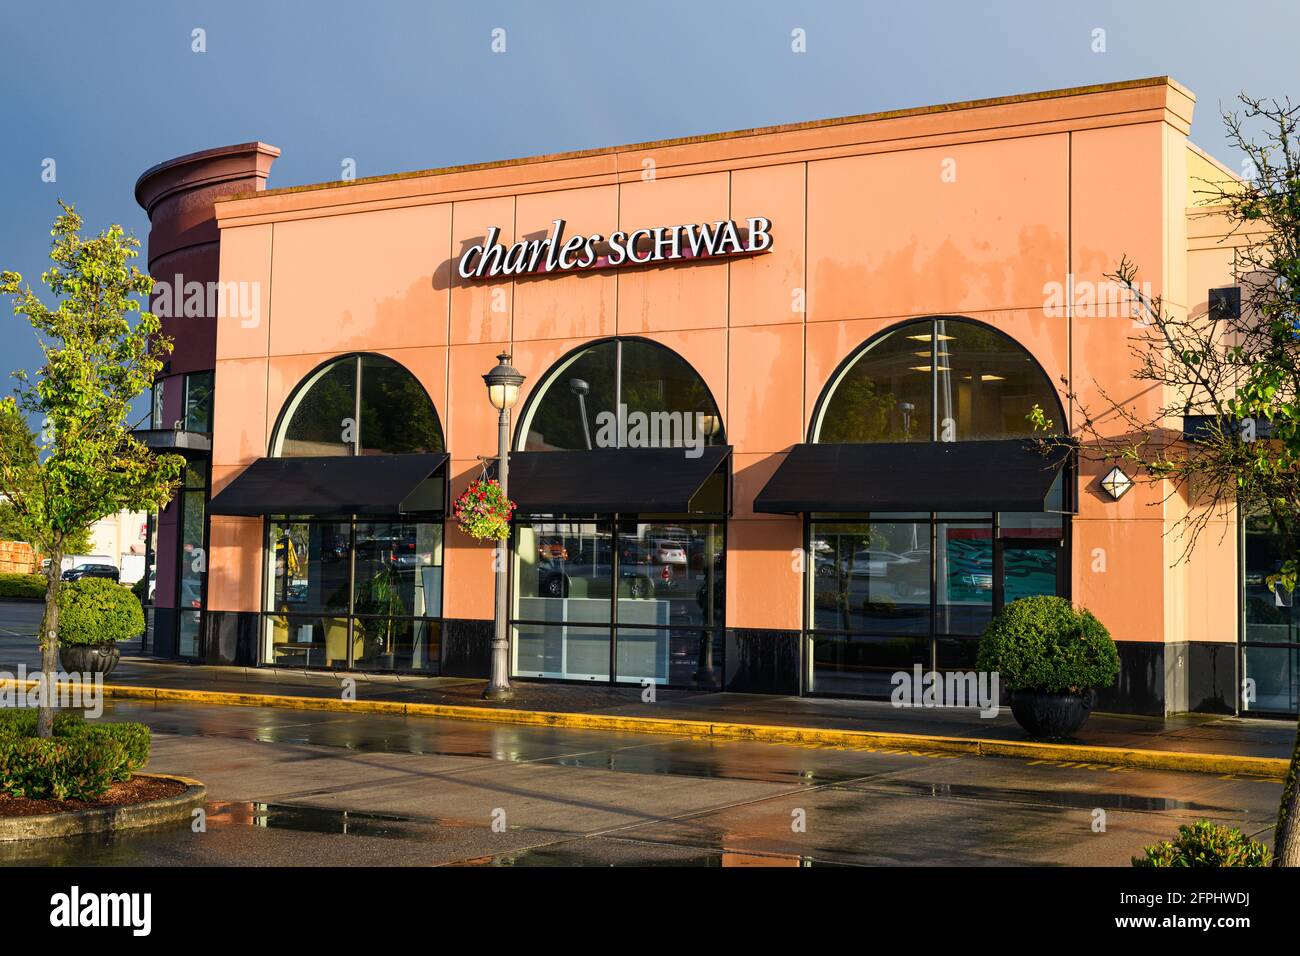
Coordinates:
[552,550]
[979,577]
[90,571]
[668,552]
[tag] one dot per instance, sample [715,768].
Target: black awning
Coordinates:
[913,476]
[173,439]
[336,485]
[618,480]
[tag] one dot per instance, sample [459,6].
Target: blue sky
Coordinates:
[109,89]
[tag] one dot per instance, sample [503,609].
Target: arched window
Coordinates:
[358,405]
[633,595]
[582,399]
[351,591]
[941,379]
[887,591]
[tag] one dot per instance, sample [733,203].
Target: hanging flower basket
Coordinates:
[483,511]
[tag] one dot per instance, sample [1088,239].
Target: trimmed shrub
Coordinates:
[27,587]
[98,611]
[1047,644]
[132,738]
[1206,844]
[21,722]
[77,767]
[79,762]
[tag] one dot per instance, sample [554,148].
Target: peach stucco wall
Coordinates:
[965,211]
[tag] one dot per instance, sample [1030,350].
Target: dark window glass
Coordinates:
[956,654]
[398,569]
[320,413]
[663,402]
[196,475]
[312,641]
[886,394]
[677,656]
[198,402]
[964,576]
[310,567]
[395,570]
[397,416]
[862,666]
[1276,675]
[670,574]
[983,382]
[655,381]
[987,384]
[191,576]
[563,571]
[575,397]
[1029,570]
[1271,615]
[871,576]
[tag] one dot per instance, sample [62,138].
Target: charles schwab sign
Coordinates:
[560,253]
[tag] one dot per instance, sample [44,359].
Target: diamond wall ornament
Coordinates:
[1117,483]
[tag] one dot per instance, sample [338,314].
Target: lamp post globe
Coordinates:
[503,391]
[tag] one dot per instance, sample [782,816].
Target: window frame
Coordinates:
[275,447]
[932,634]
[617,523]
[833,382]
[348,614]
[550,378]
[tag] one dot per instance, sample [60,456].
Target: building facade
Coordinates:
[774,434]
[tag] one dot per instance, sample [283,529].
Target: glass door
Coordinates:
[1029,567]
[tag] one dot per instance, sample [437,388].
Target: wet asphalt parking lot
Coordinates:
[325,789]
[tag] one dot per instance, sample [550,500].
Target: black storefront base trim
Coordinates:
[380,485]
[613,481]
[1181,677]
[762,661]
[1008,475]
[466,647]
[230,637]
[162,637]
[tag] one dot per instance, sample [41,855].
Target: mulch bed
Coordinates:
[135,790]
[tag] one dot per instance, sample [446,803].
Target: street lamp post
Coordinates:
[503,391]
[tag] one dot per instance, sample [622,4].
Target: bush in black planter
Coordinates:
[94,614]
[1052,657]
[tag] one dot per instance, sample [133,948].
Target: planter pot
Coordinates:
[89,658]
[1051,715]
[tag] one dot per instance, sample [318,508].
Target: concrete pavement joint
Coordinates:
[795,736]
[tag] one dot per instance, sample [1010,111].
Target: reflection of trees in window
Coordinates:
[396,414]
[984,382]
[863,414]
[316,425]
[653,379]
[392,416]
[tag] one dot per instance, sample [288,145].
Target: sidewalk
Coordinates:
[1106,738]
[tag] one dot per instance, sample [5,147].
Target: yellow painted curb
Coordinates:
[1275,767]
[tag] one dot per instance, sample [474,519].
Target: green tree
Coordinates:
[1238,376]
[13,527]
[85,464]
